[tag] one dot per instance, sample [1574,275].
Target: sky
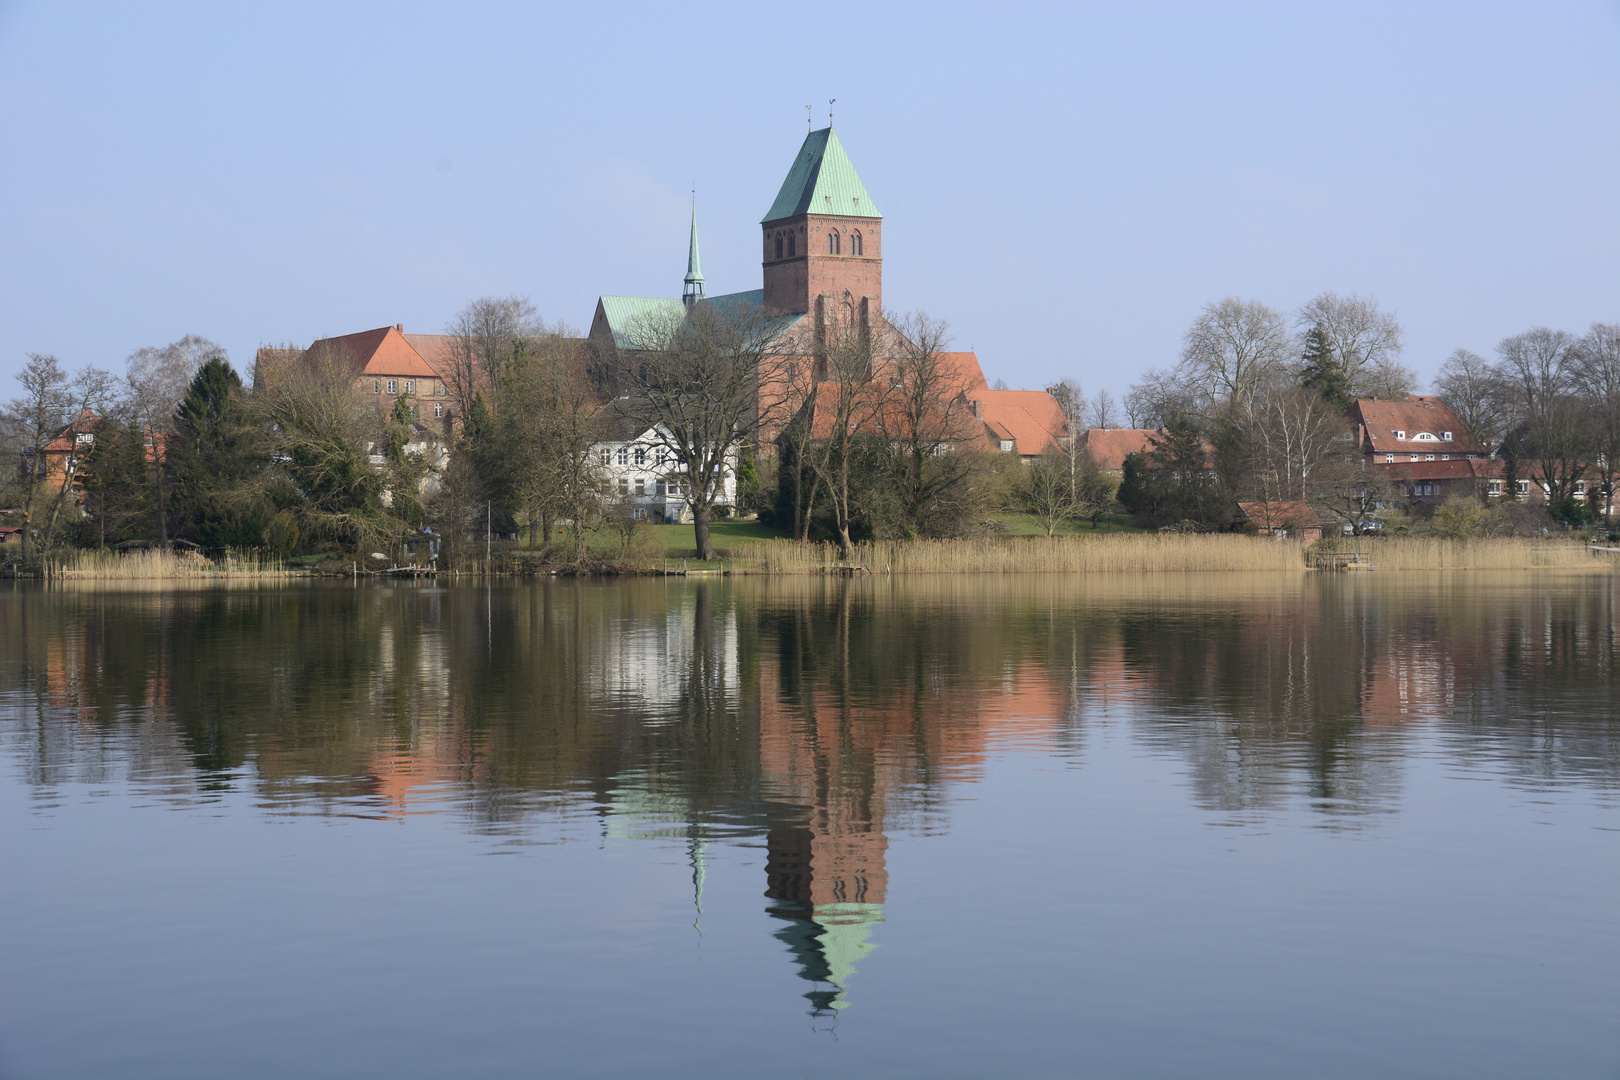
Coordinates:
[1065,185]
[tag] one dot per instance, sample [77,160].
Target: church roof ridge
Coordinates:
[822,181]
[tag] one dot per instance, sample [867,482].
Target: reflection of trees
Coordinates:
[821,715]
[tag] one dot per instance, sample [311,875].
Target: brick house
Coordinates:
[1109,447]
[386,366]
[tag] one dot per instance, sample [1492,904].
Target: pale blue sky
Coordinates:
[1066,185]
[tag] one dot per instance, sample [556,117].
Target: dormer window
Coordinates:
[1445,436]
[1401,435]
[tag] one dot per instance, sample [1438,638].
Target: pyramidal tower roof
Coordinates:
[822,181]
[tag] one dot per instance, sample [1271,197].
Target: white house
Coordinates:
[638,468]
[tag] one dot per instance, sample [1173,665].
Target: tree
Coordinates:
[924,418]
[1473,389]
[1595,372]
[156,379]
[1234,348]
[1354,493]
[1173,483]
[842,408]
[1294,433]
[695,379]
[1553,424]
[1046,492]
[1157,396]
[86,394]
[1365,342]
[1321,371]
[33,420]
[219,458]
[484,337]
[1100,413]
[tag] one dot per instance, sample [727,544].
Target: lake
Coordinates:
[1127,826]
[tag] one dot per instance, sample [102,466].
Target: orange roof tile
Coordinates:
[1109,447]
[381,352]
[1032,418]
[1423,419]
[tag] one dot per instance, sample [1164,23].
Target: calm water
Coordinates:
[1347,825]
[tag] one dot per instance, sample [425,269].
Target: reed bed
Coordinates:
[157,565]
[1151,553]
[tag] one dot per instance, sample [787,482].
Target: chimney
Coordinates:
[400,327]
[978,409]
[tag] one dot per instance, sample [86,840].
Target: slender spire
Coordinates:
[692,291]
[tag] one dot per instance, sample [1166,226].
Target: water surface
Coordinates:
[1324,825]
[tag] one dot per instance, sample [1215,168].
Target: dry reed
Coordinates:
[157,565]
[1148,553]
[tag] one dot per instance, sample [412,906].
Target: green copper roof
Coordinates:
[630,317]
[694,269]
[822,181]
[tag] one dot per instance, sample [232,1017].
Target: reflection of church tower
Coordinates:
[828,885]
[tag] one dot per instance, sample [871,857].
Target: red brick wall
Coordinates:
[791,284]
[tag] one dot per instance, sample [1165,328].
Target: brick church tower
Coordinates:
[823,237]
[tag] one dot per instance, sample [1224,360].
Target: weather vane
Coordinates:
[829,110]
[809,118]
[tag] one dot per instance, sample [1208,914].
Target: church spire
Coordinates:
[692,290]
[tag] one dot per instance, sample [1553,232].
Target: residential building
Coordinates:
[1109,447]
[386,366]
[638,469]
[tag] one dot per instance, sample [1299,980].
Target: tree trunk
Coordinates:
[700,529]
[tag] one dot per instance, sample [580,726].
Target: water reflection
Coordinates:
[817,717]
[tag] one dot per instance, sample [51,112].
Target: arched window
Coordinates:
[778,245]
[832,243]
[791,240]
[855,243]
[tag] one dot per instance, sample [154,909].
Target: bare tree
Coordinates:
[1552,427]
[32,421]
[1294,433]
[1595,371]
[925,415]
[695,380]
[156,381]
[1102,413]
[1234,348]
[1355,493]
[842,409]
[1366,343]
[1158,397]
[87,393]
[1472,387]
[484,337]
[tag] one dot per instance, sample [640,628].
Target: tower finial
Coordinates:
[809,118]
[829,110]
[692,287]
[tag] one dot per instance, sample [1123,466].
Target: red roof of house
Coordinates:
[383,352]
[1455,469]
[1281,515]
[1109,447]
[66,439]
[1031,418]
[965,366]
[1424,420]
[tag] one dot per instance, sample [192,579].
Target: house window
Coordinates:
[1006,446]
[624,486]
[1523,488]
[854,243]
[832,243]
[1428,457]
[674,487]
[1401,435]
[1445,457]
[1445,436]
[393,386]
[1580,489]
[1389,459]
[410,386]
[641,455]
[792,241]
[624,455]
[438,408]
[607,457]
[376,386]
[641,486]
[778,245]
[1494,487]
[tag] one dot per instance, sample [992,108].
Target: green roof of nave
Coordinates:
[822,181]
[632,317]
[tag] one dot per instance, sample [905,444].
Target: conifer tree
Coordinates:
[1323,370]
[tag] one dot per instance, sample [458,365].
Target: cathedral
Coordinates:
[821,257]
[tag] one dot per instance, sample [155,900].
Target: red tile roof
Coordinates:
[383,352]
[1031,418]
[1281,515]
[1455,469]
[1423,419]
[965,366]
[1109,447]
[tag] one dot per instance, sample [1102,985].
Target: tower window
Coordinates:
[791,240]
[854,243]
[778,245]
[832,243]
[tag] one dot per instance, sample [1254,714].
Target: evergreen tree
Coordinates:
[1323,370]
[219,458]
